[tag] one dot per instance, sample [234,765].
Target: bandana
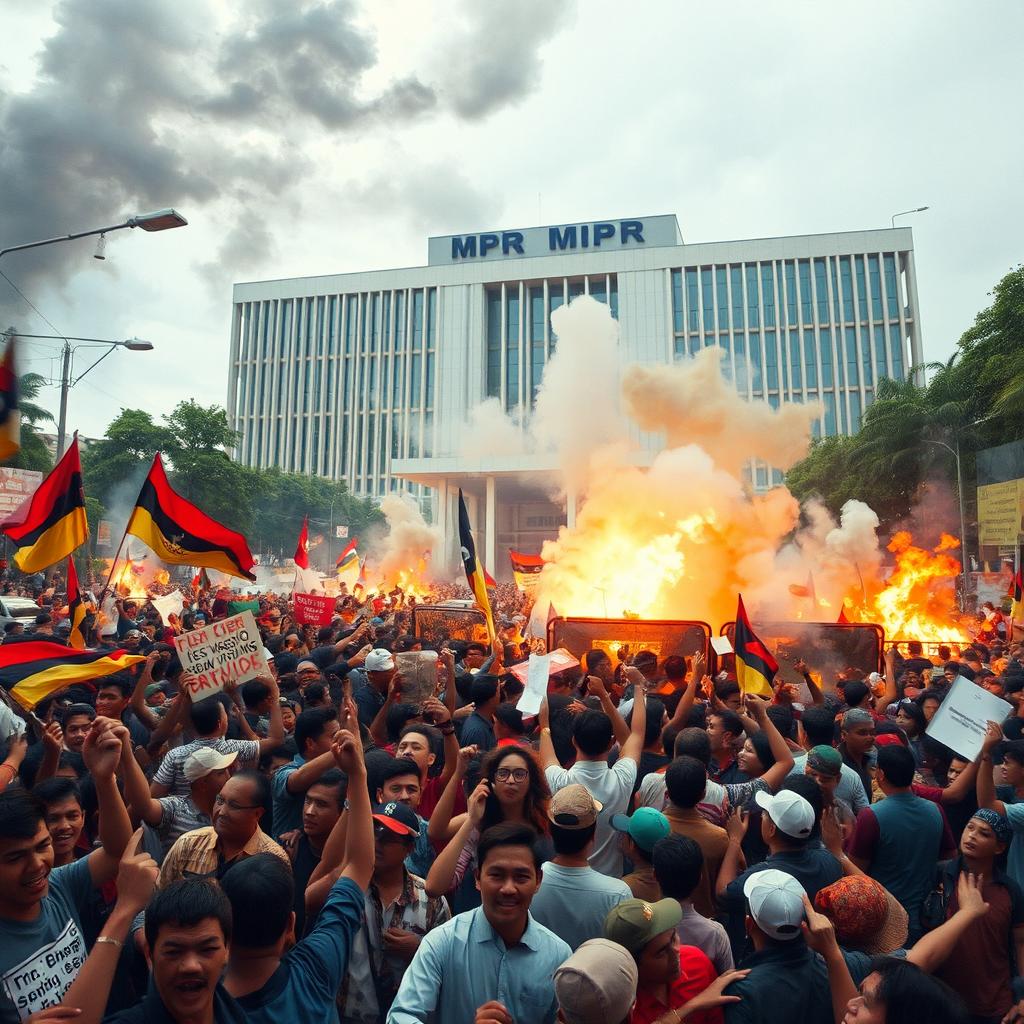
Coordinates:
[997,822]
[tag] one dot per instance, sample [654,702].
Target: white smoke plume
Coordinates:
[406,545]
[488,431]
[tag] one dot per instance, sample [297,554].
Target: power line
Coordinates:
[32,305]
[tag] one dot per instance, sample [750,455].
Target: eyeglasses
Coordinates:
[232,805]
[515,774]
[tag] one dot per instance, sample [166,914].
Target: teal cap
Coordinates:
[645,826]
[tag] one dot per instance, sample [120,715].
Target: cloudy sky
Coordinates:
[319,137]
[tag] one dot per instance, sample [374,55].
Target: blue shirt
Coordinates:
[787,982]
[287,806]
[423,853]
[850,787]
[464,963]
[1015,856]
[369,700]
[476,729]
[304,988]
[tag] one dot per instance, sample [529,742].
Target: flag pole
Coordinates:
[124,536]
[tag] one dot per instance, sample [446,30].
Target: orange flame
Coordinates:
[918,600]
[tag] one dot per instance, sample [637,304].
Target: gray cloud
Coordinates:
[495,58]
[141,104]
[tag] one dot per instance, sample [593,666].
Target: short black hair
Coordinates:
[686,779]
[254,693]
[76,711]
[674,667]
[819,724]
[1014,750]
[398,716]
[678,862]
[510,717]
[396,767]
[655,716]
[570,841]
[21,814]
[728,688]
[693,742]
[592,731]
[116,682]
[262,784]
[731,722]
[310,725]
[187,902]
[897,764]
[910,995]
[594,658]
[205,715]
[854,691]
[508,833]
[57,790]
[262,894]
[335,779]
[782,718]
[482,689]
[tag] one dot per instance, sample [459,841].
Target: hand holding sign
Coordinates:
[219,653]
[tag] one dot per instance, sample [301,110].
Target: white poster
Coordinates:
[219,653]
[962,717]
[536,684]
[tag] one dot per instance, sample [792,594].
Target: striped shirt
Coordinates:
[197,854]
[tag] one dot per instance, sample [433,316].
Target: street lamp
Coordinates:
[66,383]
[161,220]
[955,452]
[892,219]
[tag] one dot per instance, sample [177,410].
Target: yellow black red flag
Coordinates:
[76,608]
[52,523]
[37,668]
[755,666]
[473,566]
[182,534]
[10,414]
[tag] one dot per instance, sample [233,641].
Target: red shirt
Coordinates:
[696,972]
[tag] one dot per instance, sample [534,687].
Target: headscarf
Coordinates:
[999,823]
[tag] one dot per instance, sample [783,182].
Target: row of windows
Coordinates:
[519,340]
[787,293]
[355,372]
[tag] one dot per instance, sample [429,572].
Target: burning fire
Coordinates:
[918,600]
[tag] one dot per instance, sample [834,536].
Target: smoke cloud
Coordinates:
[406,545]
[142,104]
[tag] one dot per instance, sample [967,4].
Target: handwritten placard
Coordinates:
[220,653]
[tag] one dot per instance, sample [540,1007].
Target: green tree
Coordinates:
[122,456]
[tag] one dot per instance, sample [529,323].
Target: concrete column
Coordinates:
[490,526]
[439,555]
[570,508]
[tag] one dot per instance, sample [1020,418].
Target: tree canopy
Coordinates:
[909,434]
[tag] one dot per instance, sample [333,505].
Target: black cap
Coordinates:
[398,817]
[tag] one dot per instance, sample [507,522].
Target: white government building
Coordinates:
[369,377]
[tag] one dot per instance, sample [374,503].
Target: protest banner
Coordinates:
[220,653]
[169,604]
[559,660]
[526,570]
[962,717]
[537,670]
[313,609]
[418,670]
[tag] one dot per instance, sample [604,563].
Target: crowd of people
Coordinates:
[652,846]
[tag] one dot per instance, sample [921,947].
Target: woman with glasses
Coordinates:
[511,789]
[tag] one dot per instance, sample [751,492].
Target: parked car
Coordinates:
[18,609]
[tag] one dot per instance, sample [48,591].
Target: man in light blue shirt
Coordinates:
[496,954]
[850,788]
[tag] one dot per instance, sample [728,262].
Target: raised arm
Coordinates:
[141,804]
[596,688]
[732,863]
[689,695]
[775,775]
[142,710]
[359,844]
[986,784]
[820,935]
[546,749]
[932,950]
[53,743]
[891,695]
[634,745]
[441,876]
[379,725]
[136,879]
[441,827]
[442,718]
[102,754]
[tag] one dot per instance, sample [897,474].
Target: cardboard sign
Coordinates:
[314,609]
[963,716]
[419,675]
[220,653]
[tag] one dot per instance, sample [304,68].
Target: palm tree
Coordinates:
[33,453]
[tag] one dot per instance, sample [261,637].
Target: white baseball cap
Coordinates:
[597,983]
[776,902]
[790,812]
[201,762]
[379,660]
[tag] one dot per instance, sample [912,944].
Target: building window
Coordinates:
[753,297]
[722,288]
[736,283]
[806,299]
[876,288]
[892,289]
[494,342]
[852,372]
[795,371]
[771,361]
[755,362]
[707,284]
[768,293]
[692,300]
[791,317]
[846,277]
[881,365]
[821,290]
[742,374]
[512,347]
[825,341]
[896,351]
[810,359]
[538,347]
[862,291]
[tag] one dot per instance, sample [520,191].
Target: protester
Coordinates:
[640,833]
[314,734]
[573,899]
[496,954]
[596,985]
[593,733]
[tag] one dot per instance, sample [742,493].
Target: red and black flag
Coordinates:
[35,669]
[76,608]
[201,581]
[473,566]
[842,620]
[52,523]
[302,548]
[181,534]
[10,415]
[755,666]
[526,570]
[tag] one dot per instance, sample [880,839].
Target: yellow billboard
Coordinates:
[999,513]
